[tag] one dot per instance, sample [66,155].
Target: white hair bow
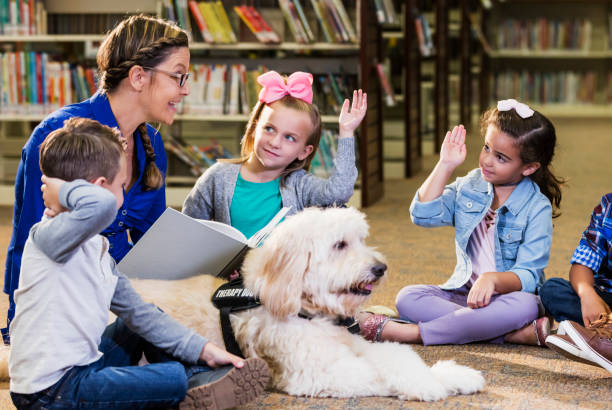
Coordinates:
[521,109]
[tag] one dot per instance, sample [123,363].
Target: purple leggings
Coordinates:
[444,318]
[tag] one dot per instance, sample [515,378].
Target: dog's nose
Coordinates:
[379,269]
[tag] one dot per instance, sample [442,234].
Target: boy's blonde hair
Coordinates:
[248,140]
[82,149]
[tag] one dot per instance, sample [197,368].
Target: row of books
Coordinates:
[213,24]
[232,89]
[22,17]
[545,34]
[220,89]
[322,163]
[385,12]
[32,84]
[77,23]
[198,158]
[563,87]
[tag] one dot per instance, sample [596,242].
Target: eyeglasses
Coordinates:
[182,78]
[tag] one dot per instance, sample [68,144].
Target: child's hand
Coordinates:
[214,356]
[592,307]
[453,151]
[481,292]
[50,193]
[348,121]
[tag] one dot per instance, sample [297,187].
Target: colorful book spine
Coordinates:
[200,22]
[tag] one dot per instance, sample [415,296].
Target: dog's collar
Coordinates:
[348,322]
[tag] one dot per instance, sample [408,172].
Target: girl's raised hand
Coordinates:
[453,151]
[348,121]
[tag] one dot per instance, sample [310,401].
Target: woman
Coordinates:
[143,66]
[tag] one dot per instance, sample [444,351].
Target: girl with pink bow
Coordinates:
[281,138]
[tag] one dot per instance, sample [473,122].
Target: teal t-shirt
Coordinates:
[254,204]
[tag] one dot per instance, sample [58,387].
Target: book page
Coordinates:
[224,229]
[178,246]
[260,236]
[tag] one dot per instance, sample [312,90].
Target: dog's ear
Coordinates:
[275,273]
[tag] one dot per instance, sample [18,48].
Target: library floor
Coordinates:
[517,376]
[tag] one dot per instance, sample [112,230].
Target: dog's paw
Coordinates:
[458,379]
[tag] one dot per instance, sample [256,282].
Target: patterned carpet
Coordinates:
[517,377]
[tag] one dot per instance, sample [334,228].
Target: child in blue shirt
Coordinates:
[502,213]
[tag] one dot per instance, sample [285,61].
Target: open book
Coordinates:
[178,246]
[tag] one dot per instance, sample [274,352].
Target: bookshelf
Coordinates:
[558,62]
[355,58]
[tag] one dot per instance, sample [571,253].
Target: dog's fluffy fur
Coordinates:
[317,263]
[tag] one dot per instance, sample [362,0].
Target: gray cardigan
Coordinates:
[211,197]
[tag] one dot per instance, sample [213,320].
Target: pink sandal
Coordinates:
[371,328]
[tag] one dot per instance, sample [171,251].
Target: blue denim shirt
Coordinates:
[524,227]
[140,207]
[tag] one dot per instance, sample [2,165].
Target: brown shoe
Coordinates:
[564,345]
[596,341]
[227,387]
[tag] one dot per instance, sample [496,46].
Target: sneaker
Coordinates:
[564,345]
[596,341]
[227,387]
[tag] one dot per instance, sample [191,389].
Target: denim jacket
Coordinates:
[523,227]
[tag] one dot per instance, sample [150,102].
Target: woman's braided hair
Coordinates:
[144,41]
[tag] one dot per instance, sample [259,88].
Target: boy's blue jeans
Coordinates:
[116,381]
[562,301]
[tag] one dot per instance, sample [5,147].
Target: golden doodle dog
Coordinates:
[315,264]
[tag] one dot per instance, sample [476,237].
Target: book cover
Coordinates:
[304,20]
[178,246]
[319,14]
[199,19]
[228,31]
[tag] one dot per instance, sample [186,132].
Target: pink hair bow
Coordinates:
[299,85]
[521,109]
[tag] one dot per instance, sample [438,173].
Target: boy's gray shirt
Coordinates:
[93,209]
[211,197]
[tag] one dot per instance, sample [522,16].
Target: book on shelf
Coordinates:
[545,34]
[196,158]
[256,23]
[385,12]
[386,86]
[424,35]
[178,246]
[322,163]
[22,17]
[219,89]
[295,23]
[31,84]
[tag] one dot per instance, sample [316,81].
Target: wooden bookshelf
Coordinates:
[585,54]
[361,57]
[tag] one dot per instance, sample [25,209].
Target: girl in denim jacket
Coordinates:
[502,213]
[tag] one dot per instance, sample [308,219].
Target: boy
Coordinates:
[583,304]
[61,354]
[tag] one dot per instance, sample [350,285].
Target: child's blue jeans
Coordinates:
[116,381]
[562,301]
